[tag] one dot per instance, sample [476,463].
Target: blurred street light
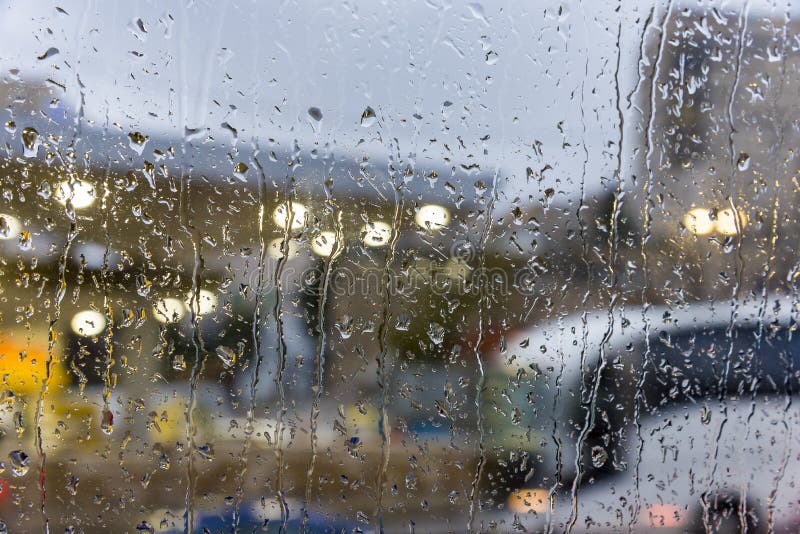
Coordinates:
[323,244]
[81,194]
[376,234]
[432,217]
[281,215]
[169,310]
[88,323]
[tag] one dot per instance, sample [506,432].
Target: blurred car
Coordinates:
[683,418]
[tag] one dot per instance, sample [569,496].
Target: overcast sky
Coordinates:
[488,80]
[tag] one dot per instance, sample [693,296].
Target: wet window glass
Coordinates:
[435,266]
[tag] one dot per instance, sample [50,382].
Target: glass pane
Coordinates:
[371,267]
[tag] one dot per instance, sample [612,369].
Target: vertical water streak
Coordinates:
[723,382]
[281,351]
[338,246]
[51,358]
[256,319]
[585,260]
[107,417]
[769,270]
[649,150]
[384,428]
[483,300]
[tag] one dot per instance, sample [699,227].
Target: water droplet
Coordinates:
[143,285]
[30,142]
[436,333]
[233,131]
[743,163]
[19,463]
[19,423]
[599,456]
[402,323]
[315,113]
[354,446]
[240,171]
[107,423]
[144,526]
[179,363]
[345,326]
[25,241]
[705,415]
[368,117]
[227,355]
[206,451]
[137,141]
[50,52]
[163,461]
[72,485]
[9,227]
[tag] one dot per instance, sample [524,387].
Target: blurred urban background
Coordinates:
[435,267]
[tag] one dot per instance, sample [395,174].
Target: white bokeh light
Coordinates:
[81,194]
[698,221]
[727,224]
[275,248]
[432,216]
[169,310]
[281,214]
[206,302]
[376,234]
[10,227]
[323,244]
[88,323]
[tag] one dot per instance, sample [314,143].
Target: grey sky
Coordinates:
[455,72]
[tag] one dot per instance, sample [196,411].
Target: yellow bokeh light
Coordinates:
[528,500]
[169,310]
[432,216]
[727,222]
[275,248]
[323,244]
[10,227]
[88,323]
[376,234]
[698,221]
[80,194]
[281,215]
[207,302]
